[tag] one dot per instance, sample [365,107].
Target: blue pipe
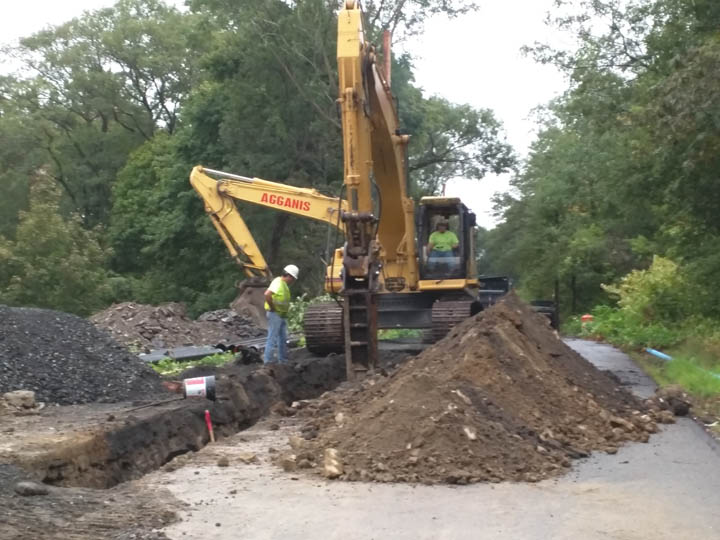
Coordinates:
[659,354]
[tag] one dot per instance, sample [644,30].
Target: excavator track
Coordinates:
[448,313]
[323,326]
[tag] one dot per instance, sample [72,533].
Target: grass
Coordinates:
[694,374]
[686,371]
[694,367]
[169,366]
[400,333]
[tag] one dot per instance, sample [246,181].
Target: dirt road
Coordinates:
[665,489]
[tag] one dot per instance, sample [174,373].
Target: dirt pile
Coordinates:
[500,398]
[155,327]
[64,359]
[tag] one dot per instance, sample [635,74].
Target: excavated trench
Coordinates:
[100,445]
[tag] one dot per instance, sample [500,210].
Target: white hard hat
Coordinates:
[293,270]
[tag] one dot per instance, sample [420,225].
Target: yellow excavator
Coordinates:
[384,274]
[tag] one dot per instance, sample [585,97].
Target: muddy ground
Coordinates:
[232,489]
[125,512]
[663,490]
[87,456]
[500,399]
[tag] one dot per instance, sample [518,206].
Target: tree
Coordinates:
[123,101]
[626,167]
[53,262]
[101,85]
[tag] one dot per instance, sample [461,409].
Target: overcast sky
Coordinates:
[475,59]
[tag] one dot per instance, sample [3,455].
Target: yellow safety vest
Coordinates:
[280,296]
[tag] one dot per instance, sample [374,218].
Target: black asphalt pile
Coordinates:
[64,359]
[145,327]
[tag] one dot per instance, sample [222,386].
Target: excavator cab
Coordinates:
[445,238]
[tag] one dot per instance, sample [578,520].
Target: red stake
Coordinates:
[209,425]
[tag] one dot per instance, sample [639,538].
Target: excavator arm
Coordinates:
[380,227]
[220,195]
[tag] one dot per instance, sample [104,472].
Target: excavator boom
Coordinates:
[219,195]
[380,222]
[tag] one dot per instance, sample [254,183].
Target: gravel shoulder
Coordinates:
[664,489]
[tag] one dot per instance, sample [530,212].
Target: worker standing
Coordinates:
[277,304]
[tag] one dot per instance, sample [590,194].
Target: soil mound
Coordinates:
[64,359]
[142,326]
[500,398]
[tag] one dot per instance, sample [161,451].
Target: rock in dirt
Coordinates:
[30,489]
[247,457]
[64,359]
[674,398]
[500,398]
[22,399]
[168,325]
[332,466]
[288,462]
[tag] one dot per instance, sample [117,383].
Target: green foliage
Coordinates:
[117,106]
[167,366]
[660,293]
[626,161]
[400,333]
[96,88]
[170,366]
[161,236]
[626,330]
[653,309]
[573,326]
[296,312]
[52,262]
[408,18]
[298,305]
[451,141]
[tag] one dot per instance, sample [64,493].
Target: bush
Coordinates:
[625,329]
[297,310]
[572,326]
[660,293]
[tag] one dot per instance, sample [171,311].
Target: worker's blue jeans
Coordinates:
[277,337]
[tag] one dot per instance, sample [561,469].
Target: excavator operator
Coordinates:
[442,241]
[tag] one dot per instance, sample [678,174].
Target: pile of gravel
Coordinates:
[64,359]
